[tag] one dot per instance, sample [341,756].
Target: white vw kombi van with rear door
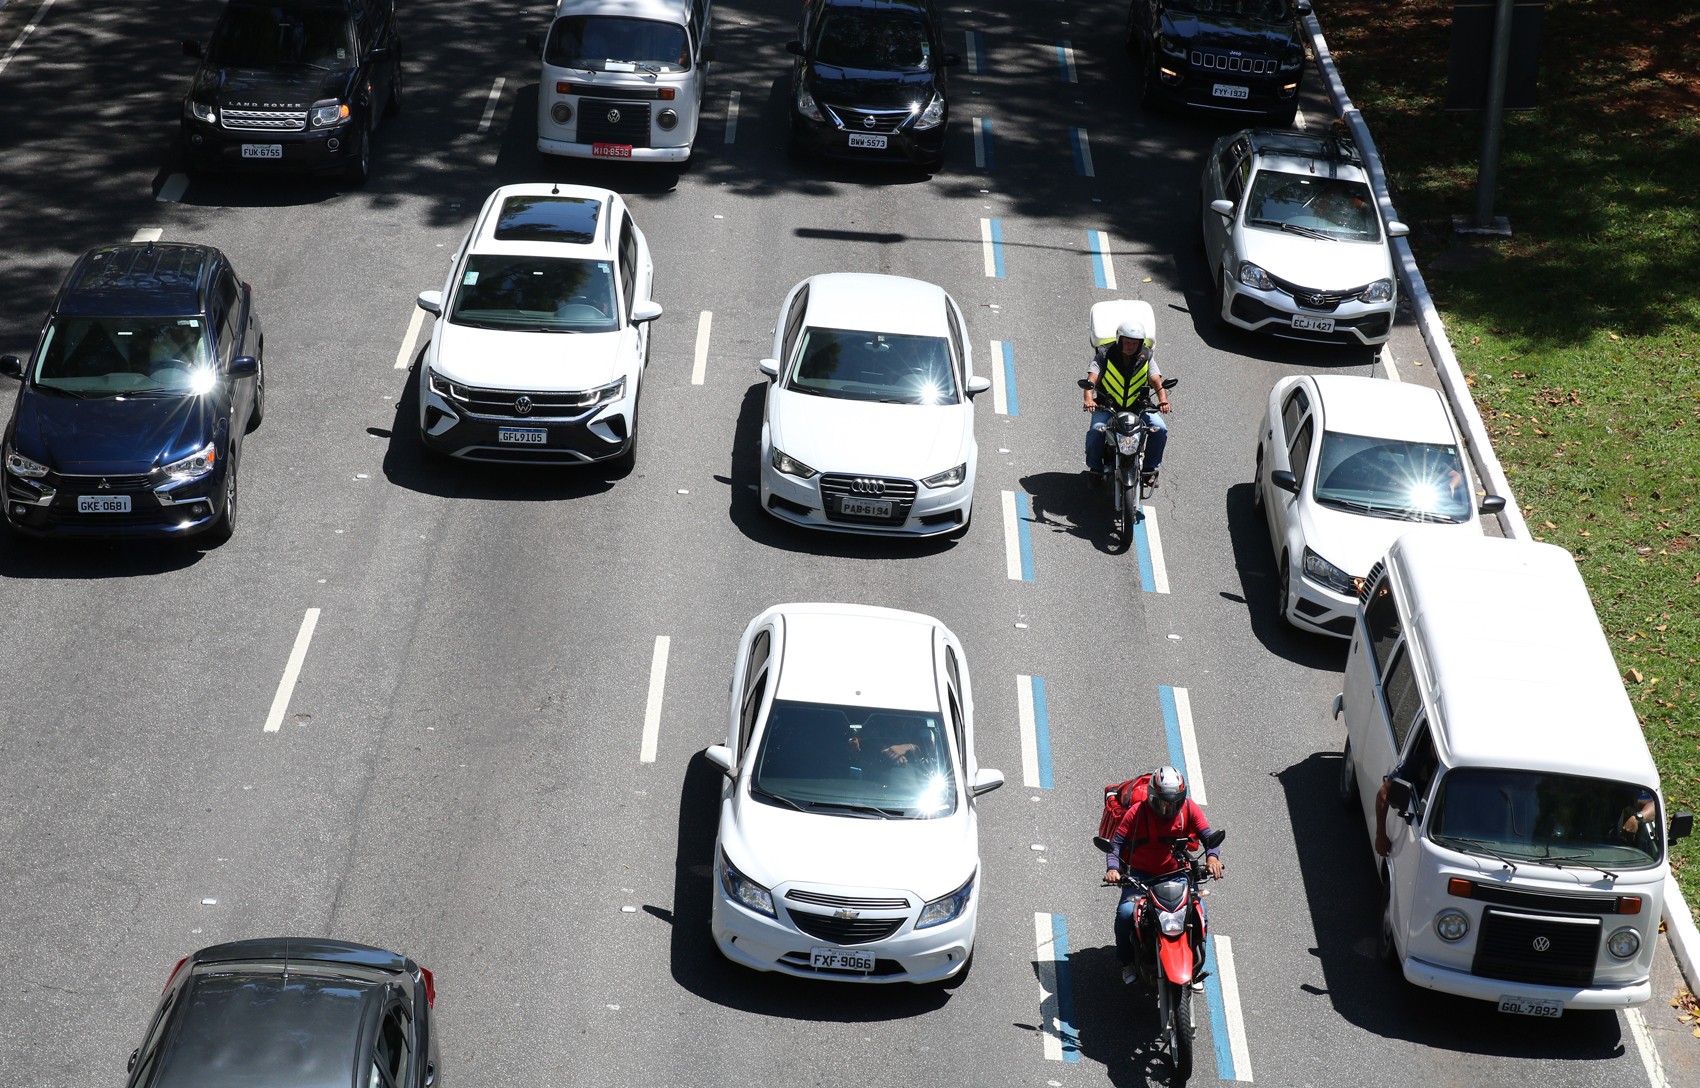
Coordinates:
[623,79]
[1528,832]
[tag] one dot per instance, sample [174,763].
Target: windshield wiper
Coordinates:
[1307,232]
[757,791]
[62,392]
[1482,847]
[549,328]
[864,811]
[1557,861]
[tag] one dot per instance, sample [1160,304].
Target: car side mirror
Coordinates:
[1223,208]
[1302,7]
[706,54]
[130,1066]
[430,1074]
[1491,504]
[1681,826]
[1399,796]
[721,756]
[770,367]
[534,42]
[1396,229]
[244,366]
[431,302]
[978,384]
[985,781]
[950,60]
[382,52]
[11,366]
[192,49]
[648,310]
[795,48]
[1214,839]
[1285,480]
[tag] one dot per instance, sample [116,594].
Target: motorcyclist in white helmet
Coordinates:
[1119,374]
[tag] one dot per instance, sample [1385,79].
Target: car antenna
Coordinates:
[556,191]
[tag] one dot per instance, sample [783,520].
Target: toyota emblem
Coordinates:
[867,122]
[613,117]
[1312,301]
[522,405]
[1542,944]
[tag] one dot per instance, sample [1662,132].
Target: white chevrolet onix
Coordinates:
[848,845]
[869,423]
[542,331]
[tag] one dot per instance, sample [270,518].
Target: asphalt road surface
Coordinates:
[457,770]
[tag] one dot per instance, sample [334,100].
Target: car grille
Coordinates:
[1217,60]
[845,930]
[1313,299]
[845,902]
[856,120]
[90,485]
[901,494]
[630,124]
[505,403]
[1544,949]
[264,120]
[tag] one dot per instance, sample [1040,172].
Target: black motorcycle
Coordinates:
[1125,436]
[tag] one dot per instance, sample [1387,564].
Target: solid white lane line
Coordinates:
[29,28]
[1231,1006]
[404,354]
[1011,536]
[1159,569]
[147,234]
[699,367]
[652,709]
[1029,734]
[988,251]
[292,670]
[732,118]
[1189,745]
[1000,397]
[1650,1060]
[490,106]
[173,189]
[1387,363]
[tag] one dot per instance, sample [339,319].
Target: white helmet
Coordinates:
[1132,329]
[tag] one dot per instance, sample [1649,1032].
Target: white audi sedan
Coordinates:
[1345,466]
[848,845]
[869,423]
[542,331]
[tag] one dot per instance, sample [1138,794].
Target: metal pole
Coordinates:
[1494,124]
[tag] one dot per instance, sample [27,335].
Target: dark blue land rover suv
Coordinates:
[130,416]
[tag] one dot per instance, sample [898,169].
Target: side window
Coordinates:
[747,716]
[956,728]
[1293,409]
[628,261]
[1421,762]
[1404,697]
[150,1049]
[1227,164]
[395,1046]
[956,341]
[1298,452]
[1381,616]
[793,323]
[698,17]
[228,314]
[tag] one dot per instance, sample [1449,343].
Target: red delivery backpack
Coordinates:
[1119,799]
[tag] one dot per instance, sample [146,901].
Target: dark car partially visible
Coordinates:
[291,1012]
[131,411]
[1237,56]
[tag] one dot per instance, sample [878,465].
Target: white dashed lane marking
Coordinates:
[490,106]
[147,234]
[173,189]
[732,118]
[29,28]
[652,707]
[292,670]
[699,366]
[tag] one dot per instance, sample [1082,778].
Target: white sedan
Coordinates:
[869,422]
[848,845]
[1345,466]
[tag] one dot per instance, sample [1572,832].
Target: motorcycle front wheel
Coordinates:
[1180,1034]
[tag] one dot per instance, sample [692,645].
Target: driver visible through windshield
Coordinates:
[124,356]
[1548,819]
[535,294]
[1384,477]
[855,762]
[605,43]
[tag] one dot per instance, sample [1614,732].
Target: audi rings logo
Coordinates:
[613,117]
[868,122]
[522,405]
[1542,944]
[863,485]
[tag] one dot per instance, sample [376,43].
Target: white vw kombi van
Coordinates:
[1528,834]
[623,79]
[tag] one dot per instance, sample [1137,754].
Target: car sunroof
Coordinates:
[548,219]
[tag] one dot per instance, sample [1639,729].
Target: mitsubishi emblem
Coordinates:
[613,117]
[1542,944]
[105,484]
[522,405]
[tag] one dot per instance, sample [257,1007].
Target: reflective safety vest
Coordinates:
[1120,380]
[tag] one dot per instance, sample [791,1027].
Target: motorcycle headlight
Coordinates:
[1451,925]
[333,114]
[1624,943]
[1322,572]
[203,113]
[950,477]
[194,466]
[933,115]
[1127,444]
[945,908]
[806,104]
[1253,276]
[1172,922]
[789,465]
[605,394]
[741,889]
[19,465]
[1379,291]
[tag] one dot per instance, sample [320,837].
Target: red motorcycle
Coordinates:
[1168,941]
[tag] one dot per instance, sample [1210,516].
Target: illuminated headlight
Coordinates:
[1172,922]
[19,465]
[605,394]
[1170,48]
[945,908]
[668,119]
[789,465]
[950,477]
[1253,276]
[1624,943]
[933,115]
[1127,444]
[1322,572]
[194,466]
[333,114]
[204,113]
[1451,926]
[1379,291]
[561,113]
[806,104]
[741,889]
[441,385]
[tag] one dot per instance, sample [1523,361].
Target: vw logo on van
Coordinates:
[1542,944]
[613,117]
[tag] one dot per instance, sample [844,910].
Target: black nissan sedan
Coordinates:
[291,1012]
[869,81]
[131,411]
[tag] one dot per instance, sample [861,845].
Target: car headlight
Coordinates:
[1624,943]
[1171,48]
[194,466]
[1253,276]
[668,119]
[1379,291]
[605,394]
[333,114]
[741,889]
[441,385]
[950,477]
[1321,571]
[789,465]
[1451,925]
[1292,62]
[933,115]
[806,104]
[204,113]
[943,909]
[19,465]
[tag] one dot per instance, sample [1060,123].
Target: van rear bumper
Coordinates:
[639,154]
[1448,980]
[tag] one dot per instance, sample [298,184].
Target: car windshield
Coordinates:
[535,294]
[258,35]
[855,761]
[1312,206]
[1548,819]
[1268,10]
[1420,481]
[893,368]
[877,41]
[115,356]
[608,42]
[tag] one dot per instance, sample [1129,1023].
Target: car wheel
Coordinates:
[1385,949]
[259,410]
[627,460]
[393,105]
[360,166]
[225,527]
[932,166]
[1257,484]
[1348,778]
[1219,297]
[1285,589]
[1148,98]
[1284,116]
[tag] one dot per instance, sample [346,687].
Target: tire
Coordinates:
[1284,116]
[1348,778]
[1149,99]
[1134,506]
[1257,484]
[1385,949]
[259,411]
[627,460]
[1182,1036]
[1219,298]
[1285,589]
[932,166]
[360,166]
[225,527]
[392,105]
